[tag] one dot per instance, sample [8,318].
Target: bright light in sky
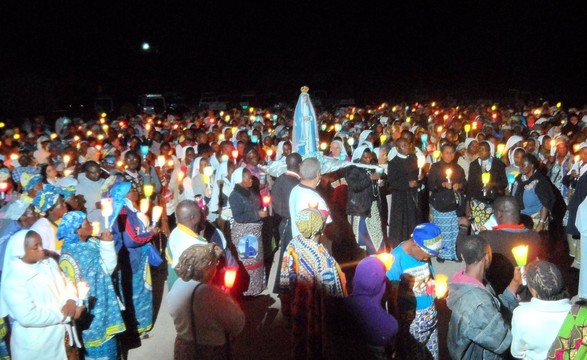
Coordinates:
[146,46]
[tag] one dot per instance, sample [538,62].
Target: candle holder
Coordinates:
[107,210]
[521,255]
[266,202]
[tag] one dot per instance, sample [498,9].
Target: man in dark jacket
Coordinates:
[477,329]
[280,194]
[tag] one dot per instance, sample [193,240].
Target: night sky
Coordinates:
[377,49]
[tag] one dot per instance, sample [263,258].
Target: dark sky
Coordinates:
[395,48]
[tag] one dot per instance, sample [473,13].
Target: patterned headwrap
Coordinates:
[196,261]
[106,190]
[118,194]
[28,181]
[310,222]
[45,200]
[67,229]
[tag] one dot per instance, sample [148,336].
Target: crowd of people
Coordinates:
[97,214]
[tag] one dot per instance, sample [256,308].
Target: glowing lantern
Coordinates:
[383,138]
[53,136]
[144,206]
[436,154]
[323,146]
[66,159]
[439,129]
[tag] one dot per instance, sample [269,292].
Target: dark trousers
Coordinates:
[284,239]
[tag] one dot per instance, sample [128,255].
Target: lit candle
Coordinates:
[323,146]
[337,127]
[448,174]
[351,141]
[156,214]
[235,155]
[266,202]
[180,175]
[485,178]
[467,129]
[500,150]
[387,259]
[383,138]
[474,125]
[144,150]
[144,206]
[421,163]
[161,161]
[208,172]
[269,153]
[440,285]
[313,204]
[577,158]
[66,159]
[53,136]
[521,255]
[95,228]
[439,129]
[148,190]
[436,154]
[67,172]
[106,205]
[229,278]
[3,189]
[170,163]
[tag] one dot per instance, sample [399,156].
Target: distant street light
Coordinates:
[146,46]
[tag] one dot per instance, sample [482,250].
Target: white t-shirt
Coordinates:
[300,198]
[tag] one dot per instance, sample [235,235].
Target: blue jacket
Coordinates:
[477,330]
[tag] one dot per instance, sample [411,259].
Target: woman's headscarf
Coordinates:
[511,155]
[279,153]
[363,136]
[468,142]
[118,193]
[29,181]
[342,148]
[310,222]
[358,153]
[513,140]
[491,147]
[45,200]
[195,166]
[14,251]
[197,261]
[237,176]
[70,223]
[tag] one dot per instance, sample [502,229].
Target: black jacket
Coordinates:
[362,191]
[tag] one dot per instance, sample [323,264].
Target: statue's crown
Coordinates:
[305,89]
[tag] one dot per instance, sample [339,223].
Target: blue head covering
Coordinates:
[118,194]
[428,237]
[29,181]
[67,229]
[45,199]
